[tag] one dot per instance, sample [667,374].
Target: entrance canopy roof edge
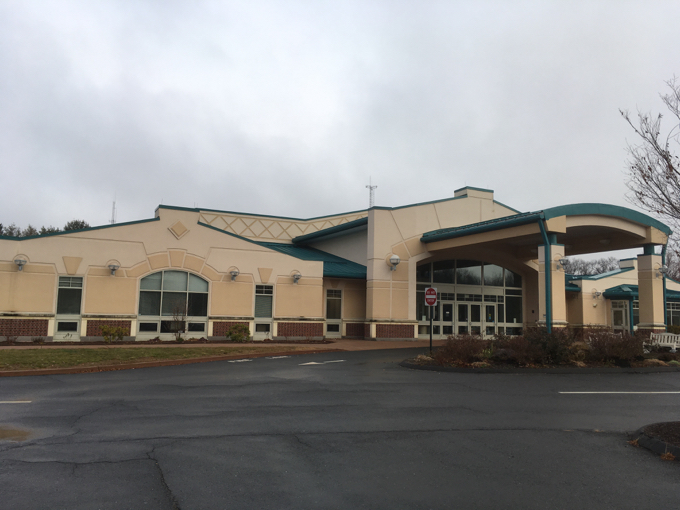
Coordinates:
[514,220]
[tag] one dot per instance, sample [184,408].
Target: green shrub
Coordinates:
[112,333]
[238,333]
[464,349]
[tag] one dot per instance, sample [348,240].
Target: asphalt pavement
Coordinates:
[347,430]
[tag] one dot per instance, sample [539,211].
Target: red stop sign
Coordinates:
[430,296]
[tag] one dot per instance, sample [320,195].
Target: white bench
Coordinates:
[664,340]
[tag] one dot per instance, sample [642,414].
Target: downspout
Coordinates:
[663,264]
[548,274]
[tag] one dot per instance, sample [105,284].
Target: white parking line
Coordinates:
[15,401]
[277,357]
[239,360]
[323,362]
[619,392]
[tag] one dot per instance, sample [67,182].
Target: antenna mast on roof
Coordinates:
[371,200]
[113,211]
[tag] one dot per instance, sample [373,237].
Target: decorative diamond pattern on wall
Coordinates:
[268,229]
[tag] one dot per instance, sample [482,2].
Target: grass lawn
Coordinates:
[26,359]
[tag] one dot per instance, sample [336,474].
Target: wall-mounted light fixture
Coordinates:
[113,268]
[563,263]
[296,277]
[394,262]
[660,272]
[234,273]
[21,263]
[596,293]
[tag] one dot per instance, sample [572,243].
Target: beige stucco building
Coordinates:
[360,274]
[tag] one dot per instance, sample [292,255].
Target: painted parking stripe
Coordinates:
[619,392]
[322,362]
[239,360]
[277,357]
[15,401]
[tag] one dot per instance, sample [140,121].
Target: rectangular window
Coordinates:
[198,305]
[262,328]
[333,328]
[69,295]
[149,303]
[423,273]
[513,310]
[263,302]
[67,326]
[196,326]
[174,303]
[148,327]
[443,271]
[333,304]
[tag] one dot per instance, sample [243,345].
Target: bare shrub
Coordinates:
[517,350]
[555,346]
[620,348]
[463,349]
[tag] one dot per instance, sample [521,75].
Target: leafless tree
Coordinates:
[583,267]
[653,165]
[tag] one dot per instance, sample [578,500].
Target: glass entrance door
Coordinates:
[620,316]
[469,318]
[489,320]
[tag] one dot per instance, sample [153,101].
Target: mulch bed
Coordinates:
[668,432]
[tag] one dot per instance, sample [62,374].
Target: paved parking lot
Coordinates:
[332,430]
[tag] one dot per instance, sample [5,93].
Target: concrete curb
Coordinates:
[557,370]
[653,444]
[151,364]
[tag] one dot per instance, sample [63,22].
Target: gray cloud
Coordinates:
[288,107]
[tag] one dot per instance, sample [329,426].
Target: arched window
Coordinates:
[167,297]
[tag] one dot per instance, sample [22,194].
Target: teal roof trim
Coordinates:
[64,232]
[606,210]
[350,225]
[571,287]
[631,292]
[473,188]
[333,266]
[199,209]
[476,228]
[573,277]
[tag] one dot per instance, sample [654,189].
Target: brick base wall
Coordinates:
[94,327]
[302,329]
[220,328]
[356,329]
[394,331]
[23,327]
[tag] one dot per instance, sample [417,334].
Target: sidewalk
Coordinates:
[336,344]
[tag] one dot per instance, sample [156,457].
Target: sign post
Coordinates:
[431,301]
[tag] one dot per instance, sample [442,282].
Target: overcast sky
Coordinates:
[287,107]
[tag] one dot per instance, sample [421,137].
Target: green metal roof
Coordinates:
[631,292]
[572,277]
[331,231]
[571,287]
[333,266]
[606,210]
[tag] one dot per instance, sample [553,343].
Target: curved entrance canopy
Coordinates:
[580,228]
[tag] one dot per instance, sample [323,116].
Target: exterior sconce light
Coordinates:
[661,271]
[113,268]
[296,277]
[394,262]
[563,262]
[596,294]
[21,263]
[234,273]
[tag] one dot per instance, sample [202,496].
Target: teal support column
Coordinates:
[548,276]
[630,315]
[665,303]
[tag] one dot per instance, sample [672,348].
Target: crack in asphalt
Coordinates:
[164,483]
